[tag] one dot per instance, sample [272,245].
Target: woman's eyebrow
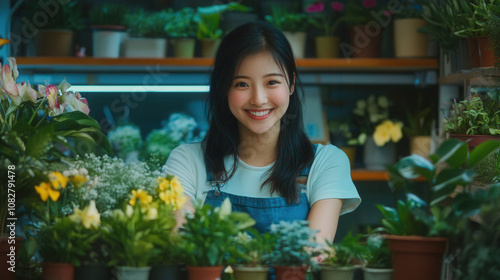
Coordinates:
[265,76]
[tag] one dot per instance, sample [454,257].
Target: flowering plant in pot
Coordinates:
[134,233]
[327,20]
[380,131]
[376,257]
[252,256]
[182,28]
[342,258]
[294,249]
[430,215]
[208,238]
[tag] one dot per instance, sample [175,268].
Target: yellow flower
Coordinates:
[89,217]
[162,183]
[142,196]
[45,191]
[77,180]
[396,133]
[381,135]
[176,186]
[58,180]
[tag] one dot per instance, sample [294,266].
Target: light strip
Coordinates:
[138,88]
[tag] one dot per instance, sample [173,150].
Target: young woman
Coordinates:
[255,151]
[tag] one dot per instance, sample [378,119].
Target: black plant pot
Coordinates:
[92,271]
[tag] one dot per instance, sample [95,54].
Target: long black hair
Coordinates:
[222,139]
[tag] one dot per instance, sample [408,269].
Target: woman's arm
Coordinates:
[324,216]
[180,214]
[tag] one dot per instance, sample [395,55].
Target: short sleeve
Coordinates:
[330,177]
[183,163]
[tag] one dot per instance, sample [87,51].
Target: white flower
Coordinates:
[225,209]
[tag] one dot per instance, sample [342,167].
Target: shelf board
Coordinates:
[369,175]
[477,77]
[334,64]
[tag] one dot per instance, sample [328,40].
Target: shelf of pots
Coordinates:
[430,220]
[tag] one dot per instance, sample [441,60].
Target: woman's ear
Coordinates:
[292,87]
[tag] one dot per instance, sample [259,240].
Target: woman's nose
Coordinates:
[259,96]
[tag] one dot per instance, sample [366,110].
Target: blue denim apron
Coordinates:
[265,211]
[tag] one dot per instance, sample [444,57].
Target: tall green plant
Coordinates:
[208,19]
[108,14]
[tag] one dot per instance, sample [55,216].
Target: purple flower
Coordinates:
[337,6]
[315,7]
[369,3]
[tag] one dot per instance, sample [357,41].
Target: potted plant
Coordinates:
[379,133]
[147,36]
[182,28]
[493,32]
[418,228]
[209,32]
[408,41]
[293,25]
[376,258]
[294,249]
[326,20]
[342,258]
[342,137]
[133,232]
[475,121]
[478,14]
[419,124]
[366,22]
[208,239]
[251,260]
[56,36]
[108,25]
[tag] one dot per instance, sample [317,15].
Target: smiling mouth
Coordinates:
[259,113]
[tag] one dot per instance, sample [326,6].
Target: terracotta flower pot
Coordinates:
[417,257]
[54,42]
[365,41]
[474,140]
[290,272]
[204,272]
[481,55]
[58,271]
[209,47]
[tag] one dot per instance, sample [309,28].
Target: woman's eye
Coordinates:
[241,84]
[272,82]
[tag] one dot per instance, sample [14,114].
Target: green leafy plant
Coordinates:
[182,24]
[67,16]
[208,239]
[295,244]
[479,257]
[108,14]
[327,20]
[420,118]
[423,212]
[142,24]
[341,134]
[492,29]
[478,116]
[344,253]
[360,12]
[376,253]
[253,249]
[285,19]
[478,13]
[208,19]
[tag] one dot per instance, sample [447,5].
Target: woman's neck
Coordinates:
[258,150]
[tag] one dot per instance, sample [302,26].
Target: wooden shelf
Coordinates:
[366,64]
[477,77]
[369,175]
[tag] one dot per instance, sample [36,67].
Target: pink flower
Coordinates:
[73,101]
[387,13]
[52,97]
[337,6]
[369,3]
[8,83]
[315,7]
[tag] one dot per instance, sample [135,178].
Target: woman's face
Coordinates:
[259,95]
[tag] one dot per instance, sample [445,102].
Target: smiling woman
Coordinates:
[255,151]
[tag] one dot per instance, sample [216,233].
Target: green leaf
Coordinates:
[482,151]
[452,151]
[38,144]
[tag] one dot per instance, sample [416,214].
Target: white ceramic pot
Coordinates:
[107,43]
[145,47]
[297,41]
[377,273]
[132,273]
[375,157]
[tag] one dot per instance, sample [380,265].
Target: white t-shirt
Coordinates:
[329,176]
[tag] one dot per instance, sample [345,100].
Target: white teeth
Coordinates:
[259,113]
